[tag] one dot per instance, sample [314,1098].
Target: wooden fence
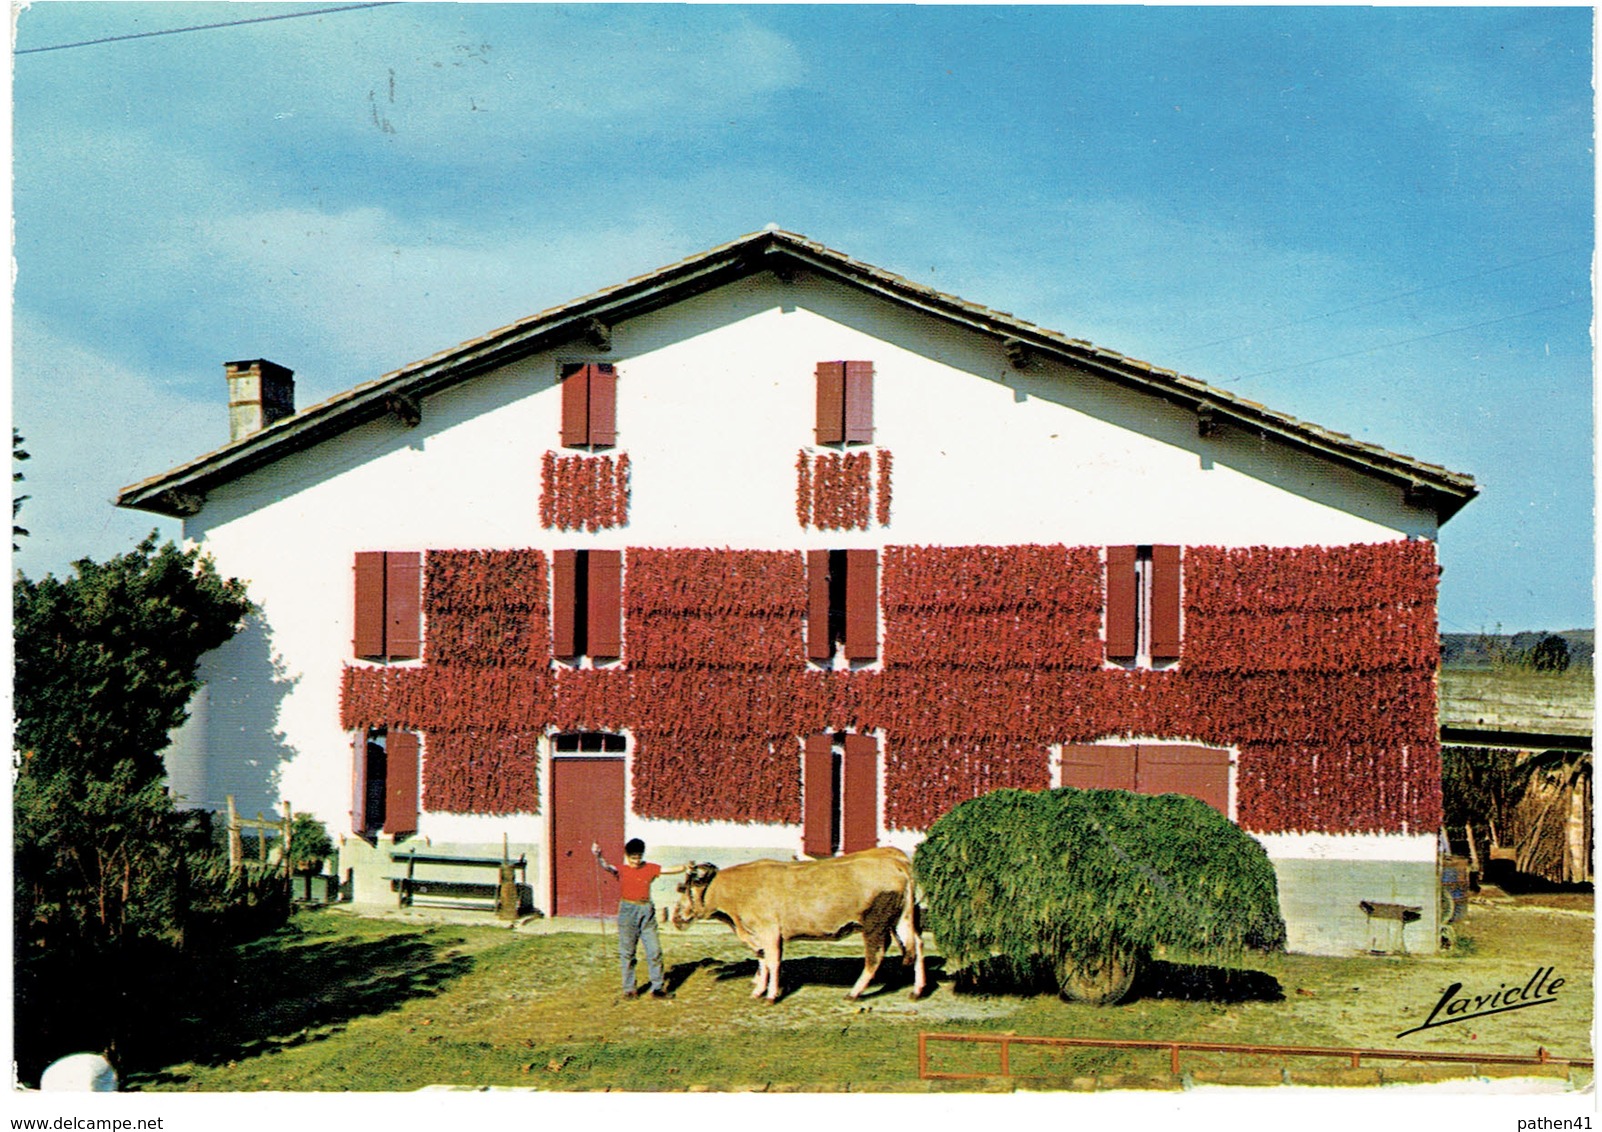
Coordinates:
[1354,1057]
[264,828]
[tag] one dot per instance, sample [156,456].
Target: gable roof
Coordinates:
[181,491]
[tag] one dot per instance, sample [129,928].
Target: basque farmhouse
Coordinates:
[771,551]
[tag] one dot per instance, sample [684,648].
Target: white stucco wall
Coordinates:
[715,398]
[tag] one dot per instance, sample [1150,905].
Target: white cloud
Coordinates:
[342,298]
[93,425]
[464,85]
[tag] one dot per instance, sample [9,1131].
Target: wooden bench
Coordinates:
[503,894]
[1393,920]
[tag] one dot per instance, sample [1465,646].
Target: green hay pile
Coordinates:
[1025,877]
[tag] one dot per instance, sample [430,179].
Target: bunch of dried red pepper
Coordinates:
[1316,665]
[583,492]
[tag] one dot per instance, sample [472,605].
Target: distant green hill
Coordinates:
[1484,650]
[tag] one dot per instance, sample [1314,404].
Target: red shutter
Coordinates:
[1095,767]
[604,609]
[862,605]
[859,402]
[358,783]
[401,772]
[576,407]
[403,605]
[859,794]
[369,637]
[831,402]
[1121,598]
[564,598]
[818,645]
[1200,772]
[1165,603]
[603,404]
[817,796]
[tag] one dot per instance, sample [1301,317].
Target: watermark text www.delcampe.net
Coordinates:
[87,1124]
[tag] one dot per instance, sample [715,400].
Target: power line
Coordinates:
[1405,341]
[201,27]
[1373,302]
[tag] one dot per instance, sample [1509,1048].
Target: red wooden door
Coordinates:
[1151,768]
[586,807]
[1201,772]
[1098,767]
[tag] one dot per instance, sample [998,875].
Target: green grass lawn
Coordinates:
[337,1002]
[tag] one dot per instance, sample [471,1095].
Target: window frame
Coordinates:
[589,404]
[839,793]
[1144,606]
[588,744]
[844,405]
[843,614]
[586,606]
[400,759]
[388,605]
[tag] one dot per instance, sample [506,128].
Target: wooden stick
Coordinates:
[236,844]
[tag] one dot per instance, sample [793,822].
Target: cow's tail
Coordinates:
[909,933]
[909,928]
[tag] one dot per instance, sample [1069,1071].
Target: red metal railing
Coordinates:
[1355,1056]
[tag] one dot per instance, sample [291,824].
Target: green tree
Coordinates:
[106,662]
[1480,788]
[1090,883]
[1550,654]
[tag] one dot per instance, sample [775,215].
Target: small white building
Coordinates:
[772,550]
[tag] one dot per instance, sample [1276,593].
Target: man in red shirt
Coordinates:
[636,914]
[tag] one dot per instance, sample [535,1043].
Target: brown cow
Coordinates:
[768,902]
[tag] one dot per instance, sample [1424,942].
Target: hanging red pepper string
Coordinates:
[1316,664]
[882,514]
[584,492]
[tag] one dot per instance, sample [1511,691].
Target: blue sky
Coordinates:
[1379,220]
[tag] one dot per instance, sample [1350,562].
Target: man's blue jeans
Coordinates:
[636,923]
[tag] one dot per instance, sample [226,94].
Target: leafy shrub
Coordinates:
[231,905]
[309,842]
[1024,879]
